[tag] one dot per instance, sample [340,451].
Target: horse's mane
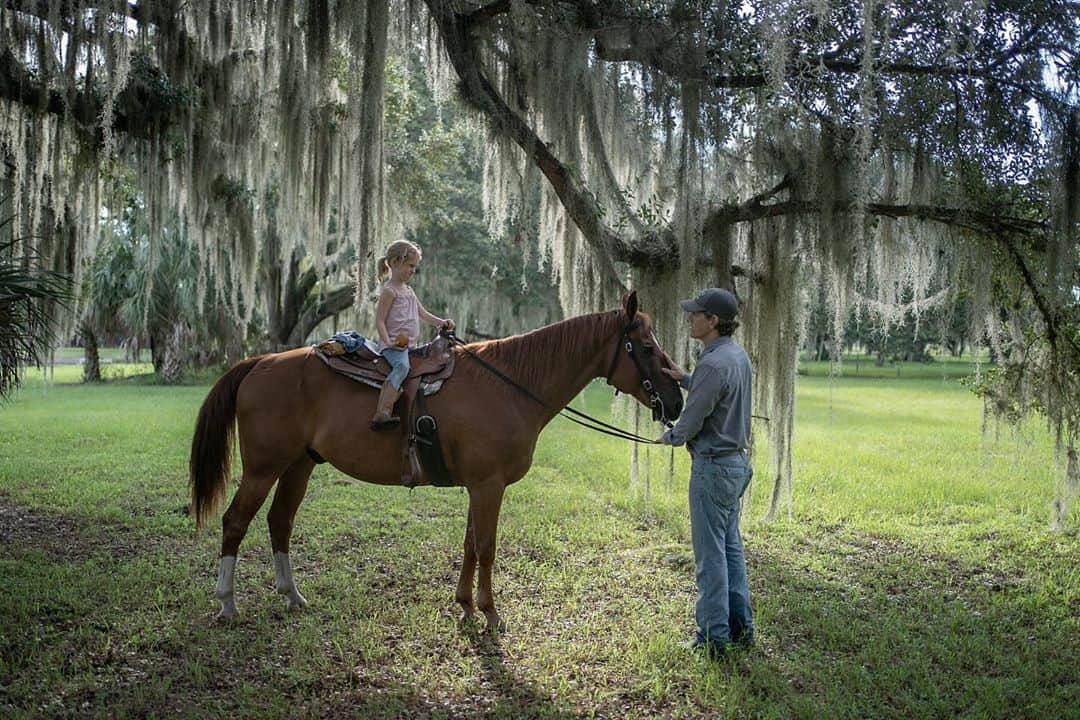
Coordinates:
[529,357]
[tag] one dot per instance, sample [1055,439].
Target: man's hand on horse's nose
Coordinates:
[675,372]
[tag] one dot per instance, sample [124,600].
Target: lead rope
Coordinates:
[596,424]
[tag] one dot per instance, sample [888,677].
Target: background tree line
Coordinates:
[909,333]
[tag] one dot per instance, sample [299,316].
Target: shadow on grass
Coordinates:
[517,697]
[918,634]
[850,624]
[68,537]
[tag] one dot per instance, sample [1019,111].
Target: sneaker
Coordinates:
[743,638]
[712,650]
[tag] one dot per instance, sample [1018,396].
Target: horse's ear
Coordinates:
[630,304]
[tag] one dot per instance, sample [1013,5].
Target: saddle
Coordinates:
[431,363]
[429,367]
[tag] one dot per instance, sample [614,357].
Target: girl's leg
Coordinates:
[399,367]
[391,389]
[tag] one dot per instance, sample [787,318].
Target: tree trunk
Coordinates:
[718,234]
[168,353]
[172,355]
[132,349]
[283,290]
[91,359]
[157,351]
[1066,491]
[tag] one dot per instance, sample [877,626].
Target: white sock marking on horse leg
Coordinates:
[224,590]
[283,579]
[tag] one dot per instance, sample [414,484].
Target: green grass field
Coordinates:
[917,578]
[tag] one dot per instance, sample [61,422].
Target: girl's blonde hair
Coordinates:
[398,250]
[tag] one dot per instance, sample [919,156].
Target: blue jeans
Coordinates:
[723,607]
[399,366]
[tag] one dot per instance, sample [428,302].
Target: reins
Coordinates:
[596,424]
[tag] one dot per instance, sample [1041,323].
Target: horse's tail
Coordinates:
[211,448]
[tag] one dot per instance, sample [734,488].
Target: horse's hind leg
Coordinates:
[464,594]
[234,524]
[290,492]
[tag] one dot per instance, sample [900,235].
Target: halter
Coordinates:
[624,342]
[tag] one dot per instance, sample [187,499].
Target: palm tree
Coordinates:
[29,296]
[107,288]
[164,304]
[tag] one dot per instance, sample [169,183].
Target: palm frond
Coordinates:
[29,297]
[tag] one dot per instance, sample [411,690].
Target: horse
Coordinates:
[288,408]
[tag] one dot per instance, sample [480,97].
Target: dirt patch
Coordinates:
[25,530]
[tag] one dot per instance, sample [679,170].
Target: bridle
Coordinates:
[570,413]
[655,401]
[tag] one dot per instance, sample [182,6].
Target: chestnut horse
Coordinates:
[289,406]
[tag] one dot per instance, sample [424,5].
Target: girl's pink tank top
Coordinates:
[404,316]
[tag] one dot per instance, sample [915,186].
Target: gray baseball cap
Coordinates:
[715,301]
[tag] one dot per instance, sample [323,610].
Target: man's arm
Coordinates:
[700,402]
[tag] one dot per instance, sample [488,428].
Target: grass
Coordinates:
[917,577]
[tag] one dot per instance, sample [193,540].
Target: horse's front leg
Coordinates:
[464,594]
[484,504]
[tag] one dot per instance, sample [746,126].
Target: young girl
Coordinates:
[397,318]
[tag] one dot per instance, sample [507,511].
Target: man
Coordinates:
[715,427]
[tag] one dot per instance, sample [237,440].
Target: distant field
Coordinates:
[106,354]
[917,577]
[865,366]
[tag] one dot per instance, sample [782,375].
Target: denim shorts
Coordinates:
[399,365]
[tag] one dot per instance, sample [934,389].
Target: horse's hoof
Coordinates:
[296,602]
[495,627]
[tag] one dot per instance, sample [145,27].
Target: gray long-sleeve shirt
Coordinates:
[716,418]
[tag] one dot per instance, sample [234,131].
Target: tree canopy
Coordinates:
[879,150]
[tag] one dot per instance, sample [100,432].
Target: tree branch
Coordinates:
[977,221]
[657,250]
[336,301]
[651,41]
[478,91]
[486,12]
[1051,316]
[144,13]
